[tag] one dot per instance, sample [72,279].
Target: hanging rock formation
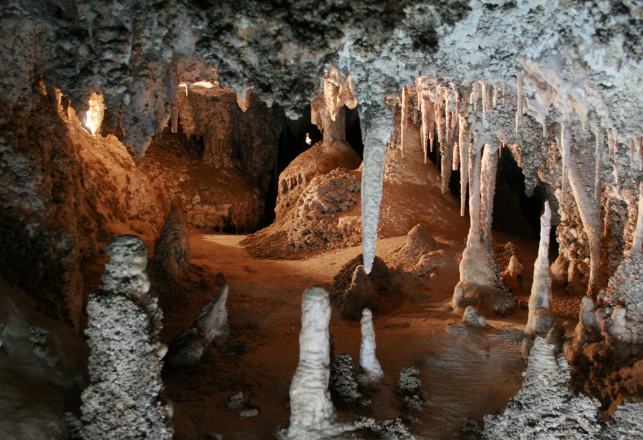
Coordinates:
[541,319]
[478,285]
[209,331]
[172,248]
[124,398]
[367,360]
[312,415]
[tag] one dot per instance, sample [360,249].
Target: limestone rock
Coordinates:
[124,398]
[418,242]
[430,261]
[209,331]
[545,407]
[353,290]
[172,248]
[471,317]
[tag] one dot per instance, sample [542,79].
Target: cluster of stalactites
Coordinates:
[441,111]
[338,90]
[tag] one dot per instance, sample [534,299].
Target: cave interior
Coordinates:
[327,219]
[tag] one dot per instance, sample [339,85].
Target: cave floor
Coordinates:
[466,373]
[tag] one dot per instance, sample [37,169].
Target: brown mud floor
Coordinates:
[465,372]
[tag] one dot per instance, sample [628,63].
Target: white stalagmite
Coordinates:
[312,415]
[540,317]
[367,359]
[377,127]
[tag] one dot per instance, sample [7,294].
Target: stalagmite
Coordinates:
[463,141]
[545,407]
[367,359]
[541,318]
[478,286]
[312,415]
[377,128]
[124,322]
[172,248]
[488,189]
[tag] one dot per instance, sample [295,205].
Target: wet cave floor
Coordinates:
[466,372]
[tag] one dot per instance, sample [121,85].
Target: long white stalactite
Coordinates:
[377,128]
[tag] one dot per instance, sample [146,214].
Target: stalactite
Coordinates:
[598,154]
[589,209]
[519,101]
[464,162]
[416,107]
[405,117]
[485,99]
[609,143]
[639,149]
[504,94]
[174,110]
[428,115]
[565,146]
[495,95]
[377,127]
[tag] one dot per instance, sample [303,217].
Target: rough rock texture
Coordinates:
[124,398]
[232,138]
[545,407]
[63,192]
[209,331]
[42,362]
[312,415]
[410,390]
[353,290]
[343,385]
[430,261]
[172,248]
[418,242]
[318,160]
[220,199]
[471,317]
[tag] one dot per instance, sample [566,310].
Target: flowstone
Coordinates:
[124,399]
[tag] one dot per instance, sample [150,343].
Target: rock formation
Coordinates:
[209,331]
[312,415]
[541,319]
[471,317]
[367,360]
[353,290]
[545,407]
[418,243]
[343,385]
[124,399]
[479,283]
[172,248]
